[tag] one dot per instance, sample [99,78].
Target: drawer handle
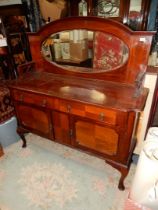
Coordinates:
[101,116]
[50,127]
[68,108]
[21,98]
[44,102]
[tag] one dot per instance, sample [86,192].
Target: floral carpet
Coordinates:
[50,176]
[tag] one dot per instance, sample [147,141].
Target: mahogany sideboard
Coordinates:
[93,108]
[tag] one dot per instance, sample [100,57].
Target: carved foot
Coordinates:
[1,151]
[24,141]
[21,132]
[123,170]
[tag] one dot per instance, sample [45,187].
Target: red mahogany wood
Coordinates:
[1,151]
[133,39]
[96,113]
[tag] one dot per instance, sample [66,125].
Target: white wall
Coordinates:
[8,2]
[150,82]
[135,5]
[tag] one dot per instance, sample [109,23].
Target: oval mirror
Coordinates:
[85,51]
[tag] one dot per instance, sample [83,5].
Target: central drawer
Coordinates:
[102,115]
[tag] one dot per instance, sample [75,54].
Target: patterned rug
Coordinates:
[50,176]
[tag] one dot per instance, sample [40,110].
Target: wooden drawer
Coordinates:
[101,115]
[32,98]
[92,112]
[70,107]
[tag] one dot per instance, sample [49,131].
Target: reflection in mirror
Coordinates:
[134,14]
[85,51]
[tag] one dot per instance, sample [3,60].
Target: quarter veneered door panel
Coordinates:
[61,127]
[33,118]
[96,137]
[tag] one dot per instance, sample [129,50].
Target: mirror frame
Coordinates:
[138,43]
[70,64]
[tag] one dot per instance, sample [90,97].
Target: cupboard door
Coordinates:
[34,119]
[96,137]
[62,133]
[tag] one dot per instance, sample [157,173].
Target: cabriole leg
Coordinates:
[21,133]
[124,172]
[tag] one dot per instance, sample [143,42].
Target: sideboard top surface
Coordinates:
[98,92]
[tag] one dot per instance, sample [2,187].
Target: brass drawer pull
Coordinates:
[44,102]
[50,127]
[68,108]
[101,116]
[21,97]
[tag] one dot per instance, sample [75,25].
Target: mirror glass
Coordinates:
[85,51]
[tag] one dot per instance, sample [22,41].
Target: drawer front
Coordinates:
[92,112]
[70,107]
[32,98]
[101,115]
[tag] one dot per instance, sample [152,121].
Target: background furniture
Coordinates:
[131,12]
[6,106]
[12,30]
[153,118]
[54,10]
[15,24]
[6,64]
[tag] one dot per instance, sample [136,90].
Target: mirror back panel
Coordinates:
[92,47]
